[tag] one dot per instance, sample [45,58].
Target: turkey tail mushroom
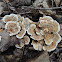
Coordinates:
[56,39]
[24,41]
[33,32]
[37,45]
[11,17]
[12,27]
[22,31]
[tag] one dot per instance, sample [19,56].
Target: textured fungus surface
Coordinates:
[44,33]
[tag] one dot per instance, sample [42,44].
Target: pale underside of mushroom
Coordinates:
[53,45]
[11,17]
[12,27]
[37,45]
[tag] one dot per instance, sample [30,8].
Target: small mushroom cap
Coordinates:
[33,34]
[19,46]
[37,46]
[49,38]
[11,17]
[47,28]
[56,25]
[0,38]
[48,18]
[12,27]
[21,34]
[27,23]
[20,18]
[30,30]
[52,23]
[22,31]
[26,39]
[37,31]
[50,47]
[53,45]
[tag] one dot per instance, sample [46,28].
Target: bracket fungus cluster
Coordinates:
[44,33]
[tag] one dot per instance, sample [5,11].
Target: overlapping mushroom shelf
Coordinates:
[44,33]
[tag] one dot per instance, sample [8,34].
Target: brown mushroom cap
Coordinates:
[27,23]
[54,25]
[19,46]
[11,17]
[22,31]
[31,31]
[49,38]
[26,39]
[53,45]
[37,45]
[12,27]
[20,18]
[47,28]
[48,18]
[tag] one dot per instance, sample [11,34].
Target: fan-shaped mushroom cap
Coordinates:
[22,31]
[26,39]
[31,31]
[27,23]
[12,27]
[48,18]
[53,45]
[11,17]
[47,28]
[51,25]
[19,46]
[37,45]
[20,18]
[56,25]
[0,38]
[49,38]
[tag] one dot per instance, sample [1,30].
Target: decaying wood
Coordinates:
[43,57]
